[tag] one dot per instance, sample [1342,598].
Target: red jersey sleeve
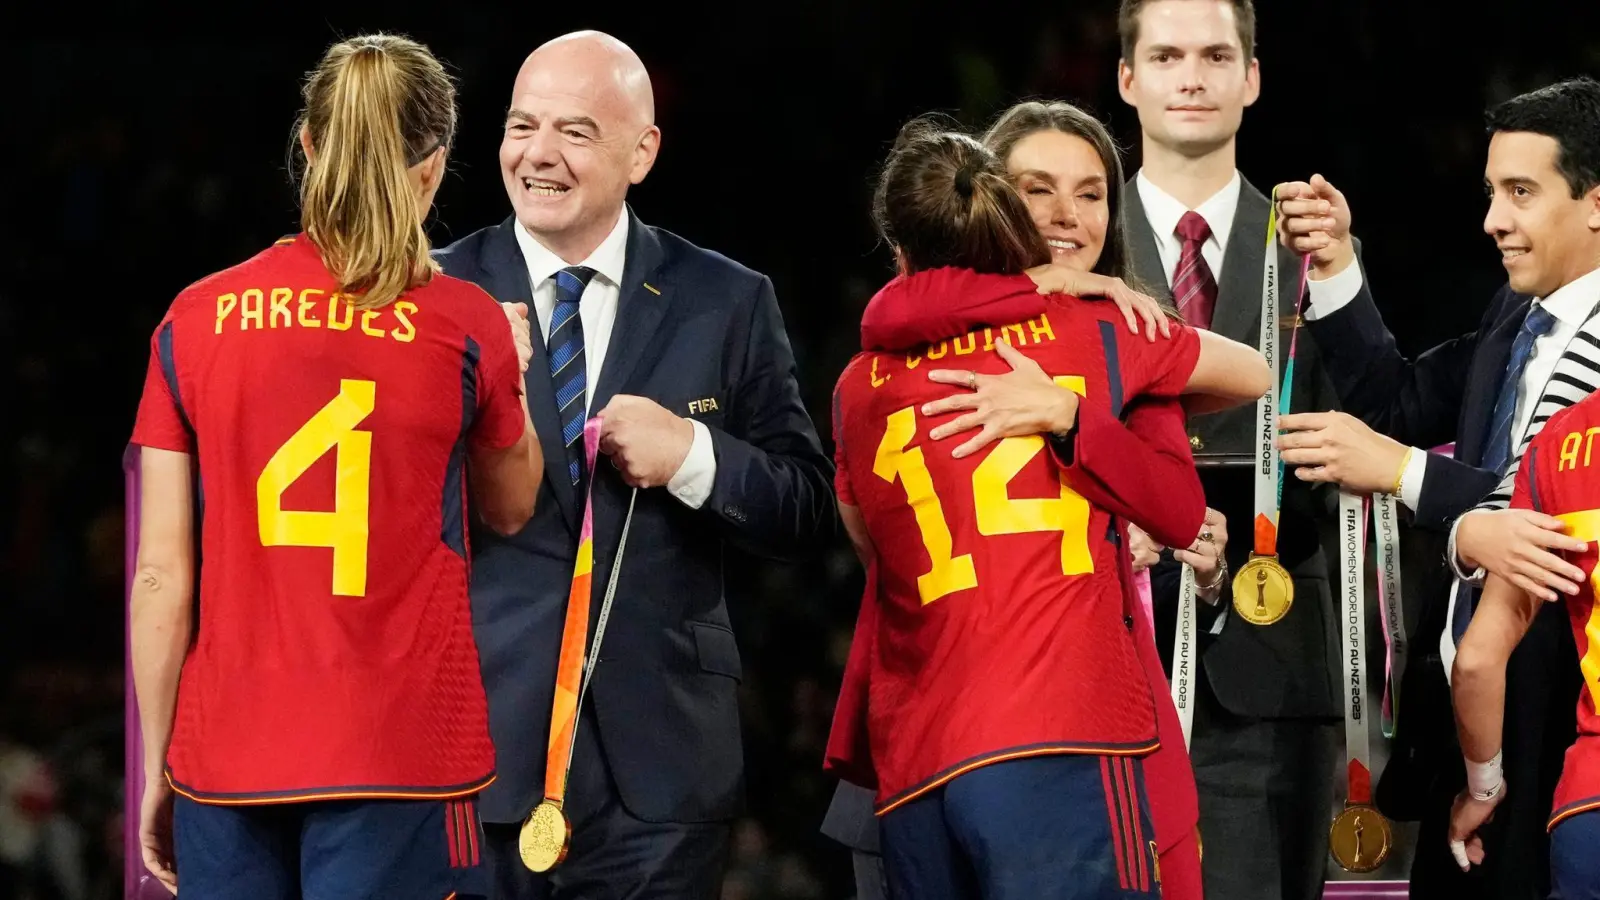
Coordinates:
[841,474]
[161,422]
[1533,486]
[1142,471]
[1524,495]
[500,420]
[842,487]
[1159,369]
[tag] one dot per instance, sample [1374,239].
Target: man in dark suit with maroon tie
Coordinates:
[1267,706]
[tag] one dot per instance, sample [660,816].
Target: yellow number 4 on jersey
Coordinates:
[345,529]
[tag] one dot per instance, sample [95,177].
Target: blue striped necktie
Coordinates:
[1497,448]
[567,369]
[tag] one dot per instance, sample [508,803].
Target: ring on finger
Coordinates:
[972,381]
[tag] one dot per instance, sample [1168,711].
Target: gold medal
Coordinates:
[1360,839]
[545,837]
[1262,591]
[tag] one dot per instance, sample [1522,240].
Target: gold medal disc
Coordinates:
[1262,591]
[1360,839]
[545,837]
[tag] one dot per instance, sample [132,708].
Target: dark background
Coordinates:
[145,147]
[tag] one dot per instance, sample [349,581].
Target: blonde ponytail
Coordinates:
[374,107]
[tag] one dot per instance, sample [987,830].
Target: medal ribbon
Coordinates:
[573,671]
[1268,465]
[1141,586]
[1353,639]
[1386,526]
[1183,653]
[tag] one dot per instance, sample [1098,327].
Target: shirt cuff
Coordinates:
[1330,295]
[1222,619]
[1475,577]
[1411,479]
[693,481]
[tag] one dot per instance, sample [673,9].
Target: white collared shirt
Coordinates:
[1164,210]
[597,311]
[1570,304]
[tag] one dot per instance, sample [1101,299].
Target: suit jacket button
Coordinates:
[1195,443]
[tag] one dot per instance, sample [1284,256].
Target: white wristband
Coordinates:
[1485,779]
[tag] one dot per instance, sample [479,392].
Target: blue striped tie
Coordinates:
[567,364]
[1497,448]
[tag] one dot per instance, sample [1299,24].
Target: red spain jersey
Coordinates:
[1002,629]
[334,654]
[1560,476]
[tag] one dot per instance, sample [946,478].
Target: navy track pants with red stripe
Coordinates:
[329,850]
[1060,827]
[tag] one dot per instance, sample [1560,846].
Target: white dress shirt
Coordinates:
[1569,304]
[1164,210]
[597,311]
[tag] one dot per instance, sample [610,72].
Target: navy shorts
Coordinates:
[1063,827]
[329,850]
[1575,858]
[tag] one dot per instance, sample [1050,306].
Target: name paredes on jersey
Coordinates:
[281,307]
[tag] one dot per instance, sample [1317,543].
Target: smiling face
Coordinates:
[1546,237]
[1064,182]
[1189,75]
[578,133]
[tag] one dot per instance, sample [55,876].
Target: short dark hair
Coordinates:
[944,200]
[1244,14]
[1568,111]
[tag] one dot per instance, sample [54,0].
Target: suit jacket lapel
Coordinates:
[1238,312]
[505,276]
[1483,385]
[641,305]
[1144,254]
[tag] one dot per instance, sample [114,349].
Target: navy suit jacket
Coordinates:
[702,336]
[1445,394]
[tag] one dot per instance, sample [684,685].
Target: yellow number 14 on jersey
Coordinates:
[996,511]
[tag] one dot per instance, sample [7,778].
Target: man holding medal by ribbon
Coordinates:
[1536,352]
[620,763]
[1266,696]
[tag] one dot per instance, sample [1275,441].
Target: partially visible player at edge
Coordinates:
[1558,477]
[321,409]
[1003,664]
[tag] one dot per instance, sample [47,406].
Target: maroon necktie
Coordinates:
[1193,287]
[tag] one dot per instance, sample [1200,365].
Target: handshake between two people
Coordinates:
[645,442]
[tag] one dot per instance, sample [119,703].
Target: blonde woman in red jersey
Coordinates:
[985,698]
[312,421]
